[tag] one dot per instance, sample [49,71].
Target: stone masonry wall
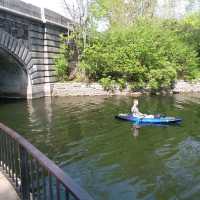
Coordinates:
[39,32]
[95,89]
[84,89]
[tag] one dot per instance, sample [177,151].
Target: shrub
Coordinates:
[108,83]
[61,61]
[61,67]
[161,79]
[121,83]
[145,54]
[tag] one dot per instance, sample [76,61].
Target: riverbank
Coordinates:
[95,89]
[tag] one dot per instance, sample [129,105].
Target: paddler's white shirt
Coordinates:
[135,111]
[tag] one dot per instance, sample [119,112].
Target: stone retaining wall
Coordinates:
[95,89]
[182,86]
[84,89]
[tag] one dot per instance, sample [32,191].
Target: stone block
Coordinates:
[14,46]
[10,43]
[36,41]
[53,30]
[39,42]
[53,37]
[3,38]
[37,28]
[17,49]
[38,61]
[7,38]
[42,61]
[33,34]
[37,54]
[25,53]
[44,55]
[52,16]
[29,65]
[37,48]
[44,80]
[52,43]
[43,67]
[53,55]
[27,59]
[41,74]
[53,49]
[21,51]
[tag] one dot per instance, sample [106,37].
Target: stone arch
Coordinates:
[14,49]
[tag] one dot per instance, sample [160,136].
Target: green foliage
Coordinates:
[189,31]
[122,12]
[68,52]
[145,54]
[108,83]
[61,67]
[121,83]
[61,61]
[161,78]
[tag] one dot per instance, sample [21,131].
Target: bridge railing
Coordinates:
[36,13]
[22,7]
[32,173]
[51,16]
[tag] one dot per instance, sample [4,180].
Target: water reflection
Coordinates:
[136,127]
[40,111]
[135,130]
[54,123]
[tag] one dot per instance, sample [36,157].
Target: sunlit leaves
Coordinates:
[146,53]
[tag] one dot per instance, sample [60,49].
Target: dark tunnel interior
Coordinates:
[13,77]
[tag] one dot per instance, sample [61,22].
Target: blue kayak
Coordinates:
[146,120]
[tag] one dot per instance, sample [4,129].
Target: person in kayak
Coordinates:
[135,111]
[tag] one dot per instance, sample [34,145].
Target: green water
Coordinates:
[106,156]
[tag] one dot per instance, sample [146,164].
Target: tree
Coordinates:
[78,12]
[122,12]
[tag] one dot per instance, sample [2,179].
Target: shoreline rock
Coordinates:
[182,86]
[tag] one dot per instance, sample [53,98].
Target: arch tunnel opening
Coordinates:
[13,77]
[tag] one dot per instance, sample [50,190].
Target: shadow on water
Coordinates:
[101,154]
[8,100]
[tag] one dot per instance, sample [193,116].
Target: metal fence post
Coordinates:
[24,174]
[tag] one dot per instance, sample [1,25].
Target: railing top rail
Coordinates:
[49,165]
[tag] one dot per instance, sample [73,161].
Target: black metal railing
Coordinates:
[34,176]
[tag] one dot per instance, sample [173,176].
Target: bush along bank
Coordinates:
[149,55]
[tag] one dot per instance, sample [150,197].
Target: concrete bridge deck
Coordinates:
[7,192]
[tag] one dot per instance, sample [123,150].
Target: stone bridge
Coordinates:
[29,42]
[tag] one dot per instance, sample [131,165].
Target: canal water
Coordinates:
[107,157]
